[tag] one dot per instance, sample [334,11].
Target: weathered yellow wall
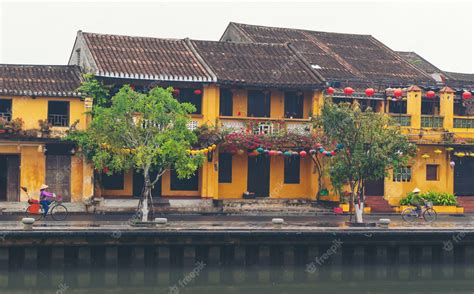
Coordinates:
[395,191]
[166,187]
[31,110]
[239,179]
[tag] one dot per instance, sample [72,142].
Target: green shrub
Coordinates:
[438,198]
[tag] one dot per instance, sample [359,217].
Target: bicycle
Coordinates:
[35,210]
[410,214]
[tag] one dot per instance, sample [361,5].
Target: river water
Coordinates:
[203,279]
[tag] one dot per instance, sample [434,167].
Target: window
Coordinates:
[225,103]
[402,174]
[58,113]
[366,103]
[430,106]
[292,170]
[225,168]
[432,172]
[113,182]
[6,109]
[397,107]
[188,95]
[258,104]
[177,184]
[293,105]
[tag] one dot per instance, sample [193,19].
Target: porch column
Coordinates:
[317,102]
[446,107]
[414,106]
[210,105]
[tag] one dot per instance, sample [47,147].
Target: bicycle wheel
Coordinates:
[409,215]
[59,212]
[36,213]
[430,215]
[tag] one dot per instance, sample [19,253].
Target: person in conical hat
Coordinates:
[45,198]
[417,201]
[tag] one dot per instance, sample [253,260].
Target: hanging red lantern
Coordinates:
[369,92]
[348,91]
[333,153]
[175,91]
[303,153]
[105,170]
[330,90]
[197,92]
[397,92]
[430,94]
[466,95]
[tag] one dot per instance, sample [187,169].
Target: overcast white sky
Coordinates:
[41,32]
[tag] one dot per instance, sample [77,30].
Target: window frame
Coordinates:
[187,95]
[294,103]
[292,170]
[226,102]
[7,114]
[403,175]
[176,183]
[225,168]
[436,175]
[116,176]
[253,100]
[68,121]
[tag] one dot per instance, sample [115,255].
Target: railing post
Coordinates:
[446,107]
[414,106]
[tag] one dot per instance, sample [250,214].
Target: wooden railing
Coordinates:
[432,121]
[403,120]
[463,123]
[265,125]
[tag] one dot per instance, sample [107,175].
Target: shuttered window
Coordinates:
[177,184]
[225,168]
[292,170]
[225,103]
[432,172]
[293,105]
[113,181]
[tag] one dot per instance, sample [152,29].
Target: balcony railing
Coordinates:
[58,120]
[402,120]
[265,126]
[432,121]
[6,116]
[464,123]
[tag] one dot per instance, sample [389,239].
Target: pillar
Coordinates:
[446,107]
[317,102]
[414,106]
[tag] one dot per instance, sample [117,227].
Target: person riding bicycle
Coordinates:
[417,201]
[46,198]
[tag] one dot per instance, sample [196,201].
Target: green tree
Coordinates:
[146,132]
[371,147]
[91,87]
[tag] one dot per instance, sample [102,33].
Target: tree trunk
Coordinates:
[359,207]
[145,196]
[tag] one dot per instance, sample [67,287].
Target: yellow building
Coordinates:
[38,106]
[253,80]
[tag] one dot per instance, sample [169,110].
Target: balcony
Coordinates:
[402,120]
[266,125]
[6,116]
[463,123]
[58,120]
[432,121]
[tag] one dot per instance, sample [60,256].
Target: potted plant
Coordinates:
[45,126]
[3,125]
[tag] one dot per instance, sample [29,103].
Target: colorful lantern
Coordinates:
[303,153]
[260,150]
[318,146]
[279,153]
[437,151]
[466,95]
[312,151]
[240,152]
[430,94]
[369,92]
[272,153]
[197,92]
[425,156]
[287,153]
[330,90]
[348,91]
[397,92]
[452,164]
[340,146]
[333,153]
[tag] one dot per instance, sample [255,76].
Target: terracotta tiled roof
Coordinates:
[461,77]
[144,58]
[337,56]
[253,64]
[39,80]
[420,62]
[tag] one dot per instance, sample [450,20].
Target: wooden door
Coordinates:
[464,176]
[258,177]
[13,178]
[374,188]
[58,175]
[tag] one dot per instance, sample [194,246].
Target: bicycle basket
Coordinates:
[429,204]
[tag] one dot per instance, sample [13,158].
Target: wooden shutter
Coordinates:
[13,178]
[58,175]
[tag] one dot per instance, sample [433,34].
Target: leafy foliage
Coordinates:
[93,88]
[146,132]
[371,147]
[437,198]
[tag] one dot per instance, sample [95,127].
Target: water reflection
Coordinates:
[414,278]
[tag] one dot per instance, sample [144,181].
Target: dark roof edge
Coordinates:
[299,57]
[242,33]
[203,62]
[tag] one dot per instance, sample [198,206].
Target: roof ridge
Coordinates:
[129,36]
[206,66]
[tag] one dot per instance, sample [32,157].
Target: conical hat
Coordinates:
[44,187]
